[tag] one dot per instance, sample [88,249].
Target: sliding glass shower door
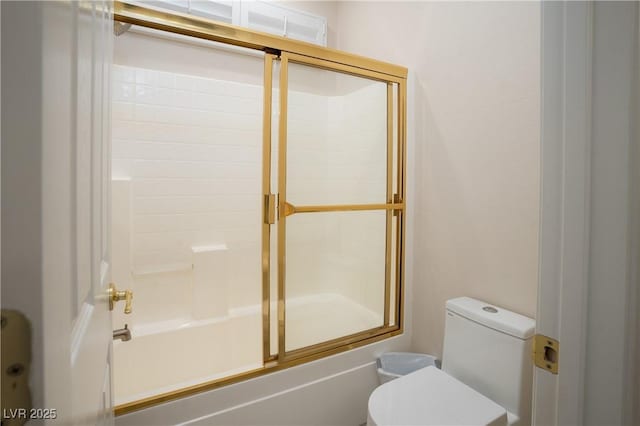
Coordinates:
[337,174]
[202,146]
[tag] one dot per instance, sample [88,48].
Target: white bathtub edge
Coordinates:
[276,395]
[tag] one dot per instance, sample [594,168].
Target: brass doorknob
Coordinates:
[116,295]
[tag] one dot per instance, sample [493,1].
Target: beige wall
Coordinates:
[476,105]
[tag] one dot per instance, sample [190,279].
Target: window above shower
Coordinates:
[257,15]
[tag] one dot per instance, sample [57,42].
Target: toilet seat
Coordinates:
[430,396]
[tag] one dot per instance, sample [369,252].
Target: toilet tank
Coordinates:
[489,349]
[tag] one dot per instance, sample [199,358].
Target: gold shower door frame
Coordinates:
[394,205]
[287,50]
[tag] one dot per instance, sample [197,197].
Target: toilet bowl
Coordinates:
[486,374]
[429,396]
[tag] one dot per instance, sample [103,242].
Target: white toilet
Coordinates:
[486,374]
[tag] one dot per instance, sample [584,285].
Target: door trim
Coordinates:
[566,39]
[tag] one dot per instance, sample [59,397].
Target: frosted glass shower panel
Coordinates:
[336,138]
[187,162]
[335,275]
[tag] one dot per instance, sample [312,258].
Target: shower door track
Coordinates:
[275,206]
[207,29]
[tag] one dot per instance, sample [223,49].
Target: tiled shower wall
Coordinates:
[187,159]
[191,148]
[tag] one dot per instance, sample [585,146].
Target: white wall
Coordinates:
[477,137]
[22,202]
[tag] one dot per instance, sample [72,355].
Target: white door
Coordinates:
[91,332]
[76,63]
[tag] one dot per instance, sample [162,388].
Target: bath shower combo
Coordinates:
[258,204]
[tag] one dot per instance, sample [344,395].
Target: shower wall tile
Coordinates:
[181,205]
[192,148]
[121,232]
[189,187]
[168,132]
[212,169]
[210,281]
[123,92]
[170,291]
[122,111]
[123,74]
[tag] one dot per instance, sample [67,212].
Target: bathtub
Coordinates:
[166,356]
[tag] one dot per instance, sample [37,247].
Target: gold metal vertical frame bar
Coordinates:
[402,188]
[282,198]
[266,194]
[389,199]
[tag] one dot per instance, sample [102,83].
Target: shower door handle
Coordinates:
[289,209]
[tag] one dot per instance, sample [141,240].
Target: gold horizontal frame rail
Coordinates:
[290,209]
[343,68]
[207,29]
[338,342]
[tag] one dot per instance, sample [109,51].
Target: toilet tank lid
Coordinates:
[493,317]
